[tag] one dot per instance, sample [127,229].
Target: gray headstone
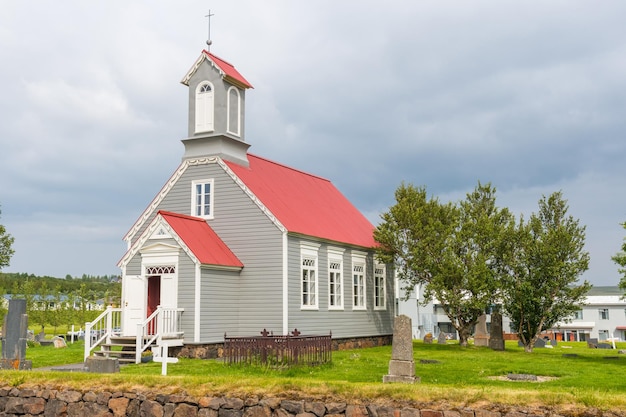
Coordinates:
[442,338]
[402,344]
[401,365]
[101,365]
[496,338]
[481,338]
[14,333]
[540,343]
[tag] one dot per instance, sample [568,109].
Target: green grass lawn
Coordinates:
[461,376]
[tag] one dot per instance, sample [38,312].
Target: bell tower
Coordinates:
[216,110]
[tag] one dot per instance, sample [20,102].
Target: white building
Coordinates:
[603,316]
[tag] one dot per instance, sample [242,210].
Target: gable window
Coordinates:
[358,282]
[308,274]
[202,199]
[379,288]
[233,123]
[204,107]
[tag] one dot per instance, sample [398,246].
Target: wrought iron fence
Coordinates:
[268,349]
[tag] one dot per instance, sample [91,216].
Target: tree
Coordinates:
[6,250]
[543,262]
[452,249]
[620,259]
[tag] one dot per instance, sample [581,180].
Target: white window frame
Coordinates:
[194,198]
[233,128]
[380,287]
[604,333]
[358,280]
[309,277]
[335,279]
[603,313]
[205,108]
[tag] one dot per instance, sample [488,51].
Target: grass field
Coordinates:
[460,376]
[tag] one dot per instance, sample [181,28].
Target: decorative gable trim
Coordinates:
[160,233]
[174,179]
[157,224]
[229,73]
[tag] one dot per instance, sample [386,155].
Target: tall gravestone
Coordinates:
[14,334]
[402,365]
[496,336]
[481,338]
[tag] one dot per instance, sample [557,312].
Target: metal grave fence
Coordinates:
[268,349]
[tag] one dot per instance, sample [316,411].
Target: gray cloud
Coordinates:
[529,96]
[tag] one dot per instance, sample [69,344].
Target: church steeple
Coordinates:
[216,110]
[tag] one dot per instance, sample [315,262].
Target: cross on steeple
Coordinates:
[209,41]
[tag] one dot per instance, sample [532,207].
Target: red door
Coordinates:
[154,300]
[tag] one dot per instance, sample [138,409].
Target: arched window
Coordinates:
[234,110]
[204,107]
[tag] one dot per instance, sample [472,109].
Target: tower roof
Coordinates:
[228,70]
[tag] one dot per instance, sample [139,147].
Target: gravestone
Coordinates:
[496,337]
[401,365]
[14,334]
[442,340]
[481,338]
[58,342]
[102,365]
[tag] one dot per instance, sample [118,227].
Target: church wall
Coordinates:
[219,309]
[257,242]
[186,293]
[346,323]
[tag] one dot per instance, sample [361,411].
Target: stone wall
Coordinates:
[70,403]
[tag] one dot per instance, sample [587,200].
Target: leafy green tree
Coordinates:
[620,259]
[6,243]
[55,315]
[453,249]
[544,260]
[41,305]
[3,304]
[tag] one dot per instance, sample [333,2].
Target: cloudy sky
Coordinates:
[527,95]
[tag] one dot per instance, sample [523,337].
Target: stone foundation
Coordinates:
[43,402]
[216,350]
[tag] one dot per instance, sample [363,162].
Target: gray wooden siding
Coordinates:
[220,306]
[342,323]
[134,265]
[186,293]
[255,240]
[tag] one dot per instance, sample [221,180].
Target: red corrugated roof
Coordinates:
[228,69]
[201,239]
[305,203]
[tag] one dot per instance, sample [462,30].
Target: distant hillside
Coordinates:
[9,281]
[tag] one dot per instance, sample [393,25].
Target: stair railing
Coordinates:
[107,324]
[164,322]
